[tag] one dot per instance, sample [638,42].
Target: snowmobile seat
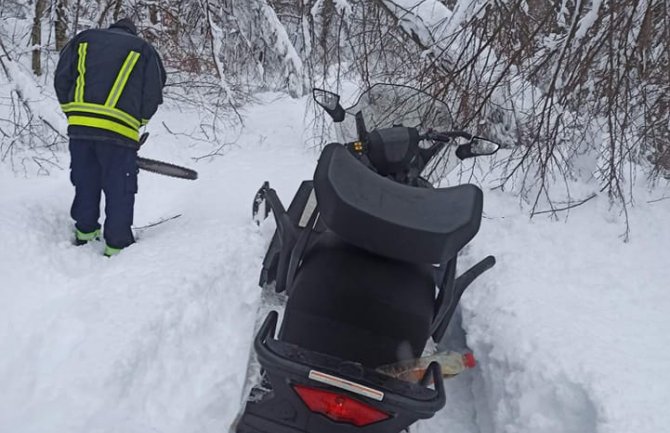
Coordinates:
[418,225]
[355,305]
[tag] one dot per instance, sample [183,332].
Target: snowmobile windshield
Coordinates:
[387,105]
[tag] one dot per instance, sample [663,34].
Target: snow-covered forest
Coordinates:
[570,328]
[578,88]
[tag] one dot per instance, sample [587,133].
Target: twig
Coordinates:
[161,221]
[659,199]
[571,206]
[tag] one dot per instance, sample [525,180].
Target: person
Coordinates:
[109,83]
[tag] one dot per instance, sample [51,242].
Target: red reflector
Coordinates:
[339,407]
[469,360]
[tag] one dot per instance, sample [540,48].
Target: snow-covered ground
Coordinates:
[571,328]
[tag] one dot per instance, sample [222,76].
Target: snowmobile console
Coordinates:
[391,150]
[427,225]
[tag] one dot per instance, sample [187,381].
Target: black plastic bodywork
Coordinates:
[351,303]
[391,150]
[271,262]
[281,410]
[427,225]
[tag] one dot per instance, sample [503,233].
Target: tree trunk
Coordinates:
[61,24]
[36,36]
[117,9]
[153,14]
[76,18]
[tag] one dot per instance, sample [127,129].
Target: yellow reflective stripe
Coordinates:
[111,251]
[81,69]
[145,121]
[122,79]
[86,236]
[89,107]
[108,125]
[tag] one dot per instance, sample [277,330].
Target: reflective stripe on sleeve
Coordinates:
[122,79]
[81,69]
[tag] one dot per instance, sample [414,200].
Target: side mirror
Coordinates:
[478,146]
[330,102]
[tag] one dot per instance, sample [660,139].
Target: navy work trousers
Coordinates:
[102,166]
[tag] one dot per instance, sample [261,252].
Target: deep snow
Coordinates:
[570,328]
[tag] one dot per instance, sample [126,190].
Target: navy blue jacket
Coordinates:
[109,83]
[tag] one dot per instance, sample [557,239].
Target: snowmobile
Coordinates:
[365,257]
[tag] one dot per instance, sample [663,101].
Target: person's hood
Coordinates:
[125,24]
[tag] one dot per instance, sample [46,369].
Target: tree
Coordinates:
[36,36]
[61,24]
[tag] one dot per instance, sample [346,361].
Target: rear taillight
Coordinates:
[339,407]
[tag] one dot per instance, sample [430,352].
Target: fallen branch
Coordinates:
[570,206]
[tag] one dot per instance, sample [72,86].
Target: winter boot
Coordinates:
[111,251]
[81,238]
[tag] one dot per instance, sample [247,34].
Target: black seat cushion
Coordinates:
[418,225]
[361,307]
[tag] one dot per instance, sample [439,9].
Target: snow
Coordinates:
[426,19]
[343,8]
[572,325]
[570,328]
[157,338]
[283,46]
[588,20]
[217,38]
[22,81]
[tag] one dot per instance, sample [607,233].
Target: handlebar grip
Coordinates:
[447,135]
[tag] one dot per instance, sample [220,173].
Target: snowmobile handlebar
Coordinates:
[396,152]
[362,146]
[445,136]
[440,139]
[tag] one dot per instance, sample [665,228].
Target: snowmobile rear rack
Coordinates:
[275,406]
[295,362]
[454,287]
